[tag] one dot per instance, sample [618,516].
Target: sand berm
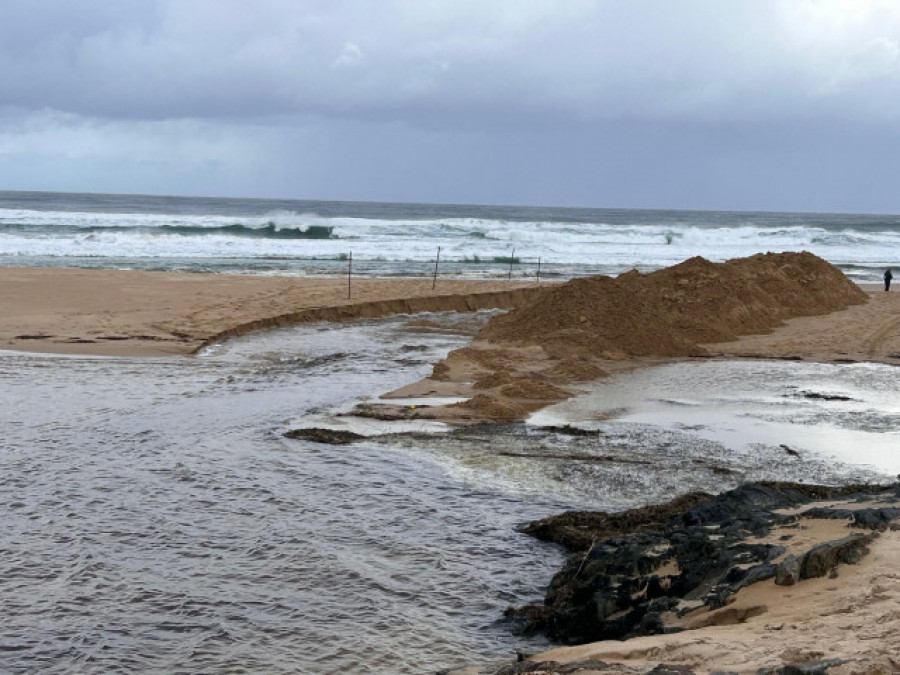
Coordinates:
[582,329]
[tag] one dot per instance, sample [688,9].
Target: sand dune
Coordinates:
[787,305]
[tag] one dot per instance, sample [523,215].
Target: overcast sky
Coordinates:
[731,104]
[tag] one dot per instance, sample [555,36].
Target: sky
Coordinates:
[712,104]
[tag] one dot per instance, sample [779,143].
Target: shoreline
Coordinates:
[146,314]
[138,313]
[766,579]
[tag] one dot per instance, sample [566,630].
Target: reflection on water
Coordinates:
[155,519]
[844,413]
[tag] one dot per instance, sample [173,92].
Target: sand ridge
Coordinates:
[785,305]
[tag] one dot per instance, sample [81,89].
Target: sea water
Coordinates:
[315,237]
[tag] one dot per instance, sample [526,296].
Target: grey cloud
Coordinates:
[783,104]
[533,60]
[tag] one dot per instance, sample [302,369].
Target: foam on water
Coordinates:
[126,230]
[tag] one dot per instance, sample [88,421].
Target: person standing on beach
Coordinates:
[887,279]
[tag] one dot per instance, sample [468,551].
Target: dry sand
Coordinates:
[112,312]
[868,332]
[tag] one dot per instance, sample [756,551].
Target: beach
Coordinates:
[138,313]
[133,315]
[117,312]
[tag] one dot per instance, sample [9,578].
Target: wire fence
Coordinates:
[496,267]
[508,267]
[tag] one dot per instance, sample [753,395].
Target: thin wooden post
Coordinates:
[349,272]
[436,259]
[512,257]
[539,271]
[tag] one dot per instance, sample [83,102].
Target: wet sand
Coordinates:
[134,313]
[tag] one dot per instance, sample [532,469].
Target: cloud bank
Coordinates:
[465,100]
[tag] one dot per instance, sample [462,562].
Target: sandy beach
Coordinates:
[845,623]
[113,312]
[867,332]
[135,313]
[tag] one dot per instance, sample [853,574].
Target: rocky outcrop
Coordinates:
[638,571]
[319,435]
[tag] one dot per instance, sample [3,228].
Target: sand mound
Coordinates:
[586,328]
[534,389]
[490,407]
[672,311]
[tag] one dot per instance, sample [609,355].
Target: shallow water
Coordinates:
[845,415]
[157,520]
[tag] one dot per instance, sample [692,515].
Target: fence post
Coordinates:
[512,256]
[434,278]
[349,272]
[539,271]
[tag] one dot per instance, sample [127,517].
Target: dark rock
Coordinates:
[330,436]
[808,668]
[590,664]
[387,412]
[822,558]
[664,669]
[578,530]
[875,519]
[869,518]
[569,430]
[788,571]
[555,668]
[825,397]
[529,667]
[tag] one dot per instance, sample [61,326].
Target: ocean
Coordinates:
[156,518]
[317,237]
